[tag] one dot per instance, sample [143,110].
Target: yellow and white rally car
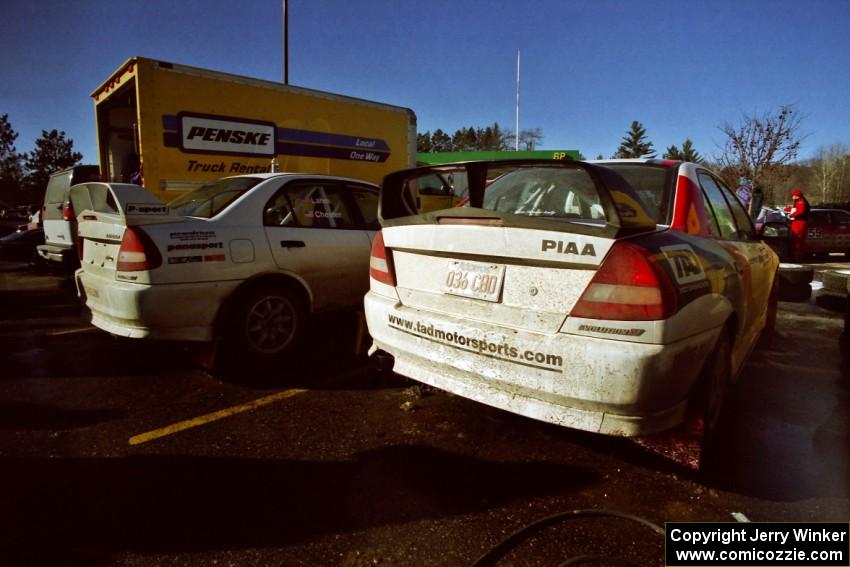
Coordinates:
[245,259]
[610,297]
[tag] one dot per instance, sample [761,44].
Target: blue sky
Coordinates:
[589,68]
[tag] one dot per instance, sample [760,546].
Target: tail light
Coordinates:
[629,286]
[138,252]
[381,261]
[68,211]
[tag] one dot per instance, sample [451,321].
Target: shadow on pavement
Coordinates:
[786,431]
[93,353]
[87,509]
[44,417]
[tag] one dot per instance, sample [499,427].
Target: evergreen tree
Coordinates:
[423,143]
[465,140]
[11,170]
[440,141]
[52,153]
[687,153]
[492,138]
[635,144]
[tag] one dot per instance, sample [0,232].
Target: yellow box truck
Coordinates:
[172,127]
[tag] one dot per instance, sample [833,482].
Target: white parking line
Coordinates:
[215,416]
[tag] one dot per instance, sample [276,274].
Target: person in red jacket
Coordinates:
[799,215]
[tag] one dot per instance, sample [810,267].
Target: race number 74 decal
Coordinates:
[684,264]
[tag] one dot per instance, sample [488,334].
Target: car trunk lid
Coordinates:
[524,251]
[105,211]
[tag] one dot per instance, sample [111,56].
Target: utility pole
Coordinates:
[516,136]
[285,44]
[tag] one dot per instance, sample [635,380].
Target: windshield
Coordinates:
[554,193]
[211,198]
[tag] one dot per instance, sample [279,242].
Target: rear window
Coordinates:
[553,193]
[650,182]
[210,199]
[57,188]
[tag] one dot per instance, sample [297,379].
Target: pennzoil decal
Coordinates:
[684,264]
[146,209]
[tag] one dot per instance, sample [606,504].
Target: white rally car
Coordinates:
[611,297]
[245,259]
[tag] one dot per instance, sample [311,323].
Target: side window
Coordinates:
[746,231]
[840,217]
[713,228]
[433,185]
[278,211]
[367,203]
[725,220]
[309,205]
[818,217]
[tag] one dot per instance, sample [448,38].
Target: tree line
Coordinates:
[24,176]
[761,150]
[489,138]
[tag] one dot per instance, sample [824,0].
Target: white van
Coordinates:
[57,214]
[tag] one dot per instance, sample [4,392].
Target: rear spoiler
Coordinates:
[624,209]
[131,203]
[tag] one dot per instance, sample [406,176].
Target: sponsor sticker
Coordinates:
[684,263]
[195,246]
[192,235]
[146,209]
[184,259]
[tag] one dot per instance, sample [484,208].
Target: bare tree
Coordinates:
[830,171]
[530,138]
[760,147]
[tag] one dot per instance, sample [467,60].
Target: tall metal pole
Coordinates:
[516,136]
[285,44]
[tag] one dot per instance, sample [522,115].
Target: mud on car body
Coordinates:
[613,297]
[245,259]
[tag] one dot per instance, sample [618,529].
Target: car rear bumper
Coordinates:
[180,312]
[55,253]
[614,387]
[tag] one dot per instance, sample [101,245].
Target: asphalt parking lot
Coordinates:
[121,452]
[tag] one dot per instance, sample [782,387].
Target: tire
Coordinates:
[265,327]
[795,274]
[711,394]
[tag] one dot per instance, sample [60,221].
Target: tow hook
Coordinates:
[384,361]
